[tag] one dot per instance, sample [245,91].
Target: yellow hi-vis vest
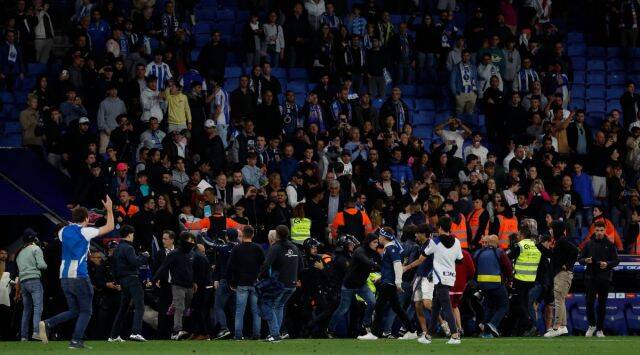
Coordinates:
[300,229]
[371,284]
[526,265]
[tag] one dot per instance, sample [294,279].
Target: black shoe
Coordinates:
[532,332]
[223,333]
[388,335]
[78,344]
[271,339]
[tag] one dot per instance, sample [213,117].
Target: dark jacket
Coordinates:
[564,256]
[283,261]
[363,263]
[572,136]
[125,261]
[244,264]
[212,60]
[599,250]
[180,264]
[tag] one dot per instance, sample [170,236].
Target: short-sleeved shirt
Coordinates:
[390,255]
[75,248]
[456,136]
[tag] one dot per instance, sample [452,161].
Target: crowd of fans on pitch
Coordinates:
[176,152]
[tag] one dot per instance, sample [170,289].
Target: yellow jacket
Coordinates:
[178,108]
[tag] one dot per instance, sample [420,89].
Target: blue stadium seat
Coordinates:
[202,27]
[15,114]
[230,84]
[12,140]
[578,90]
[595,106]
[12,127]
[37,68]
[636,52]
[576,50]
[616,78]
[579,77]
[613,104]
[595,64]
[226,27]
[297,73]
[425,105]
[297,86]
[615,64]
[20,98]
[6,97]
[280,73]
[425,90]
[206,14]
[596,52]
[594,120]
[614,52]
[6,112]
[201,39]
[411,103]
[441,117]
[596,78]
[408,90]
[225,15]
[573,37]
[28,83]
[578,317]
[396,19]
[232,71]
[595,92]
[422,132]
[424,117]
[579,63]
[242,17]
[615,92]
[577,103]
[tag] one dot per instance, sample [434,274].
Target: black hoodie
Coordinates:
[364,262]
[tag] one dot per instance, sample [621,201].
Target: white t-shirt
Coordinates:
[481,152]
[444,261]
[454,136]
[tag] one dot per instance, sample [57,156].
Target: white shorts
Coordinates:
[599,184]
[422,289]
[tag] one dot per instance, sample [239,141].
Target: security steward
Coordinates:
[300,225]
[526,257]
[477,220]
[458,223]
[351,221]
[503,225]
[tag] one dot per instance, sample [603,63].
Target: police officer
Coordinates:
[314,278]
[126,269]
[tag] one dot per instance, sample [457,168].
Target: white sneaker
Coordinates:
[590,331]
[368,336]
[445,328]
[551,333]
[599,334]
[116,340]
[424,340]
[409,336]
[137,337]
[562,331]
[42,331]
[454,341]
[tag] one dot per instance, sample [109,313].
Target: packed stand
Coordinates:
[344,176]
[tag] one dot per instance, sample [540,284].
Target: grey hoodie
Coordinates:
[109,109]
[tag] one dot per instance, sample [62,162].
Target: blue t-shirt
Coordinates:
[426,267]
[390,255]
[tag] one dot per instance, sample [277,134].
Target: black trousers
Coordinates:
[521,310]
[388,294]
[132,293]
[600,289]
[442,306]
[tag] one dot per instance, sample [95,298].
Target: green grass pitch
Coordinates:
[507,346]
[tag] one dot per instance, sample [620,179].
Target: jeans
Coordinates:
[273,58]
[495,305]
[442,304]
[244,295]
[426,61]
[32,303]
[132,292]
[405,299]
[521,312]
[181,300]
[79,295]
[223,292]
[273,310]
[346,297]
[599,289]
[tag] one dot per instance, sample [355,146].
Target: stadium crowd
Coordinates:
[323,215]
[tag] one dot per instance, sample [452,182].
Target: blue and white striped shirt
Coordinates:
[75,247]
[161,71]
